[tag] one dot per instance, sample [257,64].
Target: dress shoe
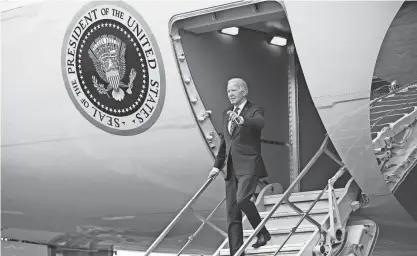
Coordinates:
[262,240]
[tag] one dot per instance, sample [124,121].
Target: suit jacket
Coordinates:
[244,145]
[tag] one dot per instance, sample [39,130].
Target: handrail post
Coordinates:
[175,220]
[333,207]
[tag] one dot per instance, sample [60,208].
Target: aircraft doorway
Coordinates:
[213,46]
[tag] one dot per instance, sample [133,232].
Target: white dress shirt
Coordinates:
[241,106]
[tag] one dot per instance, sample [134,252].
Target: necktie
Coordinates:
[233,125]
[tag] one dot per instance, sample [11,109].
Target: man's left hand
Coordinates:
[239,120]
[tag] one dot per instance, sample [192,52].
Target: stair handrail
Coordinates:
[178,216]
[285,196]
[204,220]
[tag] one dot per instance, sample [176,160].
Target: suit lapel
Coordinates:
[242,113]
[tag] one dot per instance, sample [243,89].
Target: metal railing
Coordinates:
[285,198]
[202,219]
[183,210]
[289,192]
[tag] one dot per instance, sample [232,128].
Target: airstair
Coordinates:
[313,223]
[296,227]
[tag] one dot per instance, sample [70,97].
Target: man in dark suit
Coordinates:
[240,151]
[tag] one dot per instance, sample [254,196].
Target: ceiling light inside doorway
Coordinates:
[230,31]
[280,41]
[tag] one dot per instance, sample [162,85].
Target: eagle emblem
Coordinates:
[108,55]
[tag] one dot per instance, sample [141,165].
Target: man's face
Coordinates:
[235,93]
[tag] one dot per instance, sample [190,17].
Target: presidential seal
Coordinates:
[113,69]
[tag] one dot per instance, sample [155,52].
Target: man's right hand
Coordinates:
[213,172]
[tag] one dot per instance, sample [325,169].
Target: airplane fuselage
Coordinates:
[100,131]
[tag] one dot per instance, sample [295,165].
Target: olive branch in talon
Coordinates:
[100,87]
[132,77]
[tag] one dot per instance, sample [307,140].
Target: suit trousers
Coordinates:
[239,191]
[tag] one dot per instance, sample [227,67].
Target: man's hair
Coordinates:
[242,84]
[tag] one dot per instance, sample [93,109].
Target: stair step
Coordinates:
[302,196]
[280,231]
[302,205]
[288,250]
[278,236]
[287,222]
[291,212]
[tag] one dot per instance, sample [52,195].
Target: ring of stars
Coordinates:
[142,60]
